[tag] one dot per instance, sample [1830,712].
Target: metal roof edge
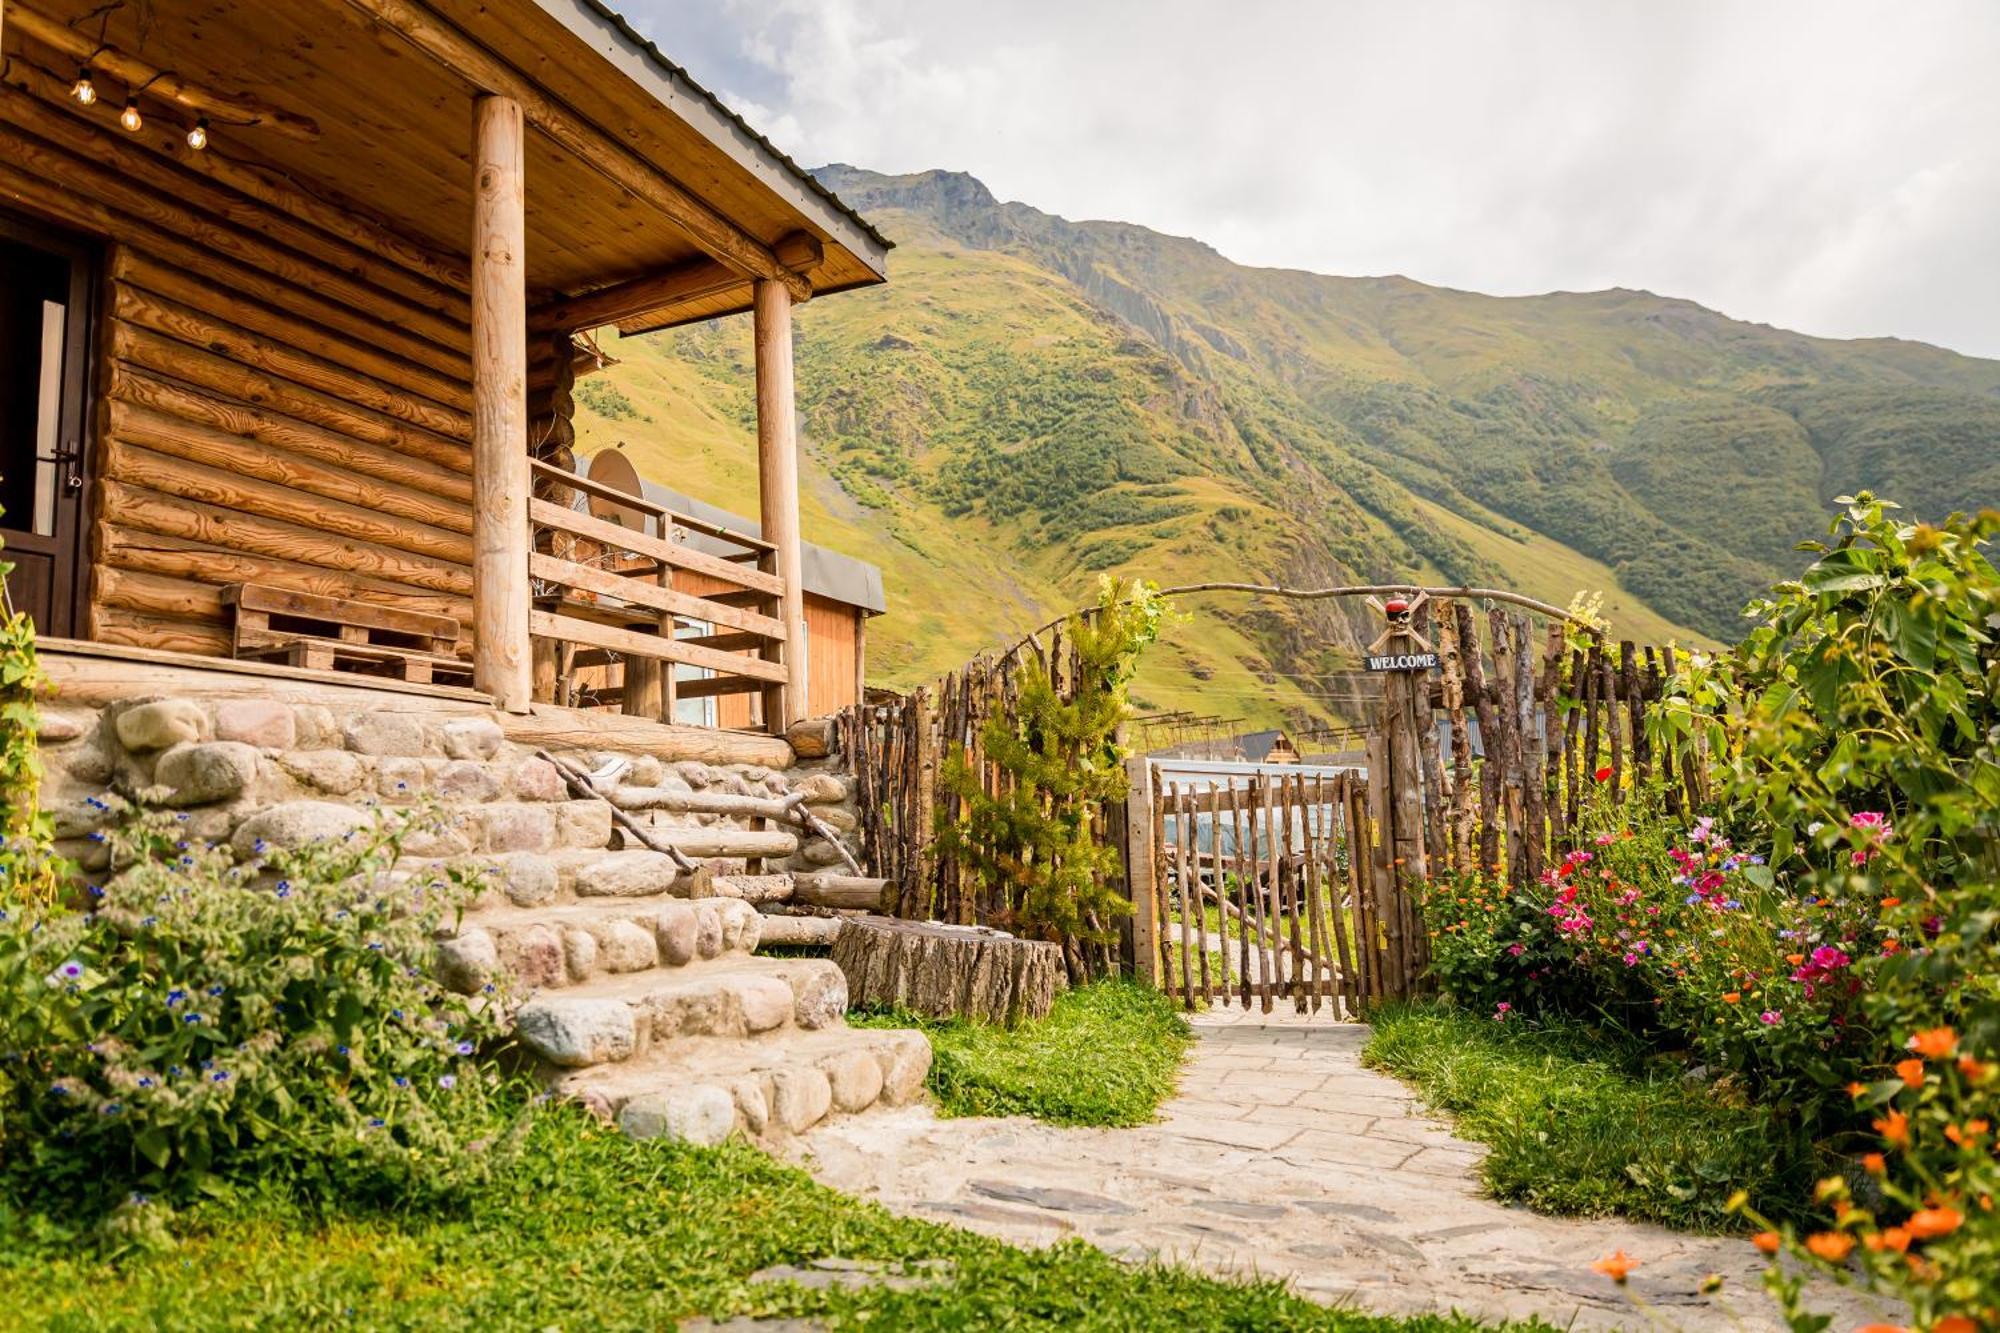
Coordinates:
[639,59]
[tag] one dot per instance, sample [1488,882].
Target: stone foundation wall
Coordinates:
[282,771]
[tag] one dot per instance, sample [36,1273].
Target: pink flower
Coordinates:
[1516,950]
[1770,1018]
[1501,1010]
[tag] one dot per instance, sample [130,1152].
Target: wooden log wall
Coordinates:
[282,384]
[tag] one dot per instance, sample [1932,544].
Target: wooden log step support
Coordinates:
[759,889]
[732,843]
[790,931]
[947,971]
[700,802]
[845,891]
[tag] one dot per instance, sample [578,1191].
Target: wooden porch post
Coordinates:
[778,489]
[501,662]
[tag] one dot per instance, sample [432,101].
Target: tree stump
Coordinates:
[946,971]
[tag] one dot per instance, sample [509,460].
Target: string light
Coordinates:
[83,90]
[198,136]
[130,117]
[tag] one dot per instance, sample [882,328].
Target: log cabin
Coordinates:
[289,318]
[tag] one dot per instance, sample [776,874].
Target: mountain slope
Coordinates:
[1033,400]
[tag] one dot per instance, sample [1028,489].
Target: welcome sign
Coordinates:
[1402,662]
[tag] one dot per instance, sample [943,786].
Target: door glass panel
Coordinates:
[48,416]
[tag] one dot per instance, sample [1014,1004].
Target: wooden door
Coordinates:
[46,290]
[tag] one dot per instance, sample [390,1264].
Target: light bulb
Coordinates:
[83,90]
[130,117]
[198,136]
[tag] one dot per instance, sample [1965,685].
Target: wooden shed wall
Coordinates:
[834,637]
[282,387]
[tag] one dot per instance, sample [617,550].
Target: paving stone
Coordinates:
[1366,1212]
[1445,1161]
[1307,1117]
[1404,1129]
[1256,1212]
[1049,1196]
[1195,1109]
[1349,1149]
[992,1212]
[1236,1133]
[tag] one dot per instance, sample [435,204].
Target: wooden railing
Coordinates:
[608,619]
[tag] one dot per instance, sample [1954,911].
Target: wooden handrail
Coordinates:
[634,643]
[618,537]
[628,500]
[644,592]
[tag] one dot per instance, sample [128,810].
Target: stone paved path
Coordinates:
[1284,1157]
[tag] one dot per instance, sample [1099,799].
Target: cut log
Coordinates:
[944,971]
[812,738]
[874,895]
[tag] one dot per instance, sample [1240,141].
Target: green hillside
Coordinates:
[1033,401]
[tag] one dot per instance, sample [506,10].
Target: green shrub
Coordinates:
[1579,1121]
[1034,839]
[206,1021]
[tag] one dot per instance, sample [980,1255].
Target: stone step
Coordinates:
[567,943]
[614,1018]
[703,1089]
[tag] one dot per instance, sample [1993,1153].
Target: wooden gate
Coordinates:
[1262,890]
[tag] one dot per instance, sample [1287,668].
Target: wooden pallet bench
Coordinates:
[335,634]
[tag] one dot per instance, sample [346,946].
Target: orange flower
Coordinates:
[1795,958]
[1731,996]
[1911,1071]
[1856,1089]
[1831,1246]
[1934,1043]
[1930,1223]
[1890,946]
[1955,1323]
[1894,1128]
[1874,1163]
[1881,1328]
[1892,902]
[1767,1241]
[1971,1068]
[1895,1238]
[1616,1265]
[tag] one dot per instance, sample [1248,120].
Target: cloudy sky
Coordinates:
[1826,165]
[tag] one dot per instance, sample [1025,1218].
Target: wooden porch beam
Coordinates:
[778,492]
[654,293]
[451,48]
[501,653]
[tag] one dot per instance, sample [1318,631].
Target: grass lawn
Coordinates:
[1580,1123]
[594,1231]
[1107,1054]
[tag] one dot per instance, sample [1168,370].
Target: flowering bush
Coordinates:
[208,1020]
[1493,951]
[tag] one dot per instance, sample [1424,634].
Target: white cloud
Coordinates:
[1827,165]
